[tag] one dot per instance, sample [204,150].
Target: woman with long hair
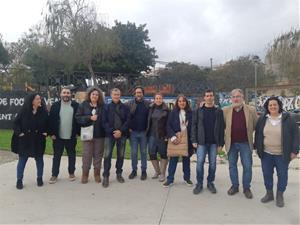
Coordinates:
[157,133]
[29,138]
[90,113]
[180,120]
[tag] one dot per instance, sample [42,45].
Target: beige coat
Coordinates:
[251,118]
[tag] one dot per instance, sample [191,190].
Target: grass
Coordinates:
[5,138]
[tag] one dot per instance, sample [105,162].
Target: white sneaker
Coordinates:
[162,178]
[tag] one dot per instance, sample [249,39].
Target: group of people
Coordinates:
[147,125]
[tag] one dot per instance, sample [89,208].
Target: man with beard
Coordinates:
[240,121]
[63,130]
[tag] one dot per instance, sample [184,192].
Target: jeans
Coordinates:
[138,139]
[246,160]
[58,146]
[155,146]
[202,151]
[268,162]
[110,142]
[22,163]
[185,167]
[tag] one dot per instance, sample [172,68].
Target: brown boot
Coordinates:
[163,167]
[85,176]
[97,175]
[156,168]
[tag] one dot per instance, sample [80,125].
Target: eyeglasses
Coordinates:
[236,96]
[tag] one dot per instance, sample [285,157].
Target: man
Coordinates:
[116,121]
[207,137]
[139,109]
[240,121]
[63,130]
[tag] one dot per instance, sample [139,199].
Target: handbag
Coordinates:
[87,133]
[181,149]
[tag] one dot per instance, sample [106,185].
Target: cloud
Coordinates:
[183,30]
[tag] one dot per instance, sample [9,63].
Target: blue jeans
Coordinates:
[157,145]
[110,142]
[246,160]
[22,163]
[202,151]
[268,162]
[185,167]
[138,139]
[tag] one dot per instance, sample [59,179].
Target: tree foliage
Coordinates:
[136,55]
[283,56]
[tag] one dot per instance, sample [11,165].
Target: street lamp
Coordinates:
[256,60]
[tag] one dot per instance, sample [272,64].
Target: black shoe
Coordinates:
[269,196]
[198,189]
[248,193]
[233,190]
[167,184]
[39,181]
[132,175]
[188,183]
[144,175]
[211,187]
[19,184]
[120,178]
[105,182]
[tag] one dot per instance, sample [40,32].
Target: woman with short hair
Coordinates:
[277,143]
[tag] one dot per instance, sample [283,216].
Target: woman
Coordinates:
[29,138]
[277,143]
[157,133]
[89,113]
[180,119]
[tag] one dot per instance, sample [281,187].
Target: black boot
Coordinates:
[105,182]
[19,184]
[39,181]
[279,199]
[268,197]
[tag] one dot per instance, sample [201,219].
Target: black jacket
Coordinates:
[290,136]
[54,119]
[33,142]
[83,118]
[162,124]
[109,119]
[132,105]
[198,132]
[173,126]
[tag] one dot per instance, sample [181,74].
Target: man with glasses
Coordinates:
[240,121]
[139,109]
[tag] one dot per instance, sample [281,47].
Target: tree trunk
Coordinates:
[93,77]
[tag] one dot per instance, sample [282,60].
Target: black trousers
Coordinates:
[58,146]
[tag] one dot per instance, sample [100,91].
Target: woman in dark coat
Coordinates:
[179,120]
[29,138]
[157,133]
[89,113]
[277,143]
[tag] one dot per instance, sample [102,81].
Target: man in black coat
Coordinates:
[63,130]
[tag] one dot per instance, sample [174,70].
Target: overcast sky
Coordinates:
[182,30]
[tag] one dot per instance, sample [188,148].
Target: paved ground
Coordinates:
[139,202]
